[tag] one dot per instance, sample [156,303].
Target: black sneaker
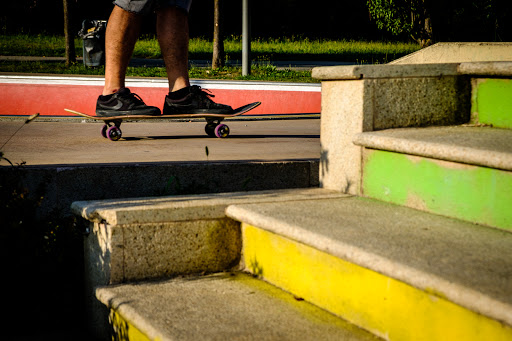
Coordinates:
[195,101]
[124,102]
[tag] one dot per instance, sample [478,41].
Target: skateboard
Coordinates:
[213,128]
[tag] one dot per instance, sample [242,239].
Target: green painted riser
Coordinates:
[475,194]
[492,102]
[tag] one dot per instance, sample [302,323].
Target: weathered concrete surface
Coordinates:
[69,161]
[138,239]
[146,238]
[459,52]
[481,146]
[79,142]
[487,69]
[223,306]
[184,207]
[350,107]
[465,263]
[364,98]
[383,71]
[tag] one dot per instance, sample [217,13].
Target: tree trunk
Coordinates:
[69,37]
[423,23]
[218,39]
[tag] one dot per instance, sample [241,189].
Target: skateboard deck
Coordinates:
[213,128]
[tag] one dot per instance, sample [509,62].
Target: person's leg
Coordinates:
[123,30]
[173,37]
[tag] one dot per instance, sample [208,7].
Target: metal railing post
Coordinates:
[246,39]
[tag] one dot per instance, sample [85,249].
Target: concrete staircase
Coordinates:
[407,238]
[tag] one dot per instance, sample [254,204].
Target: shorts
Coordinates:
[148,6]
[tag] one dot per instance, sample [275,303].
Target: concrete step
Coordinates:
[221,306]
[136,239]
[463,172]
[151,238]
[399,273]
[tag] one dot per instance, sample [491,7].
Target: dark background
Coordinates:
[453,20]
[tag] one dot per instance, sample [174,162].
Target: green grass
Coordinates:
[284,49]
[263,50]
[258,72]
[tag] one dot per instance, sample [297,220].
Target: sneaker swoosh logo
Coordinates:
[118,106]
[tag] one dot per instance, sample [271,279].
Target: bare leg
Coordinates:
[173,37]
[122,33]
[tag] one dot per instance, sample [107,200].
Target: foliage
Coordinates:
[403,18]
[264,52]
[391,15]
[443,20]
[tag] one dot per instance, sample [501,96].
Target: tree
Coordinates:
[218,39]
[404,17]
[69,37]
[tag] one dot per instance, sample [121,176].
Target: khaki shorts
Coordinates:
[148,6]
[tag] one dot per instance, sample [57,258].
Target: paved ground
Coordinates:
[73,141]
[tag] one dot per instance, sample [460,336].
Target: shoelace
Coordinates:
[196,89]
[135,99]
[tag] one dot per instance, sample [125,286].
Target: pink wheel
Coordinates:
[221,131]
[114,133]
[104,131]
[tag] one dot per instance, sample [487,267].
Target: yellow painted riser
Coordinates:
[387,307]
[124,330]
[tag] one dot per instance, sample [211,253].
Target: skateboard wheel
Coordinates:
[210,129]
[104,131]
[222,131]
[114,133]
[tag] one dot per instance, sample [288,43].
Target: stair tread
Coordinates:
[183,207]
[481,146]
[469,264]
[222,306]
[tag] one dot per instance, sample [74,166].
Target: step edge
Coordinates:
[117,212]
[117,302]
[440,151]
[466,297]
[130,314]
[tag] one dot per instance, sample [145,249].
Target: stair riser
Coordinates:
[475,194]
[491,102]
[386,307]
[123,329]
[139,252]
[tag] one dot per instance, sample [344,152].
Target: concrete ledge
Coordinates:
[486,69]
[444,259]
[223,306]
[481,146]
[459,52]
[183,208]
[383,71]
[355,106]
[364,98]
[61,185]
[351,72]
[138,239]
